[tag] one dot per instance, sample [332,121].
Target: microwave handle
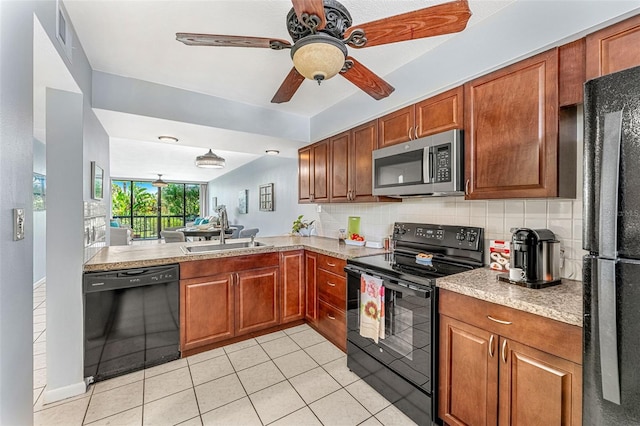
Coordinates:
[426,165]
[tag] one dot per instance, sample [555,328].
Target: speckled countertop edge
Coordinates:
[562,302]
[138,256]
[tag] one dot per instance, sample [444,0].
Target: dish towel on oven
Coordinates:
[371,307]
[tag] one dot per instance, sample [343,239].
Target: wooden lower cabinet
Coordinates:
[292,286]
[311,295]
[331,288]
[256,304]
[493,375]
[206,310]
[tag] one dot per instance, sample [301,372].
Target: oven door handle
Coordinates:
[392,284]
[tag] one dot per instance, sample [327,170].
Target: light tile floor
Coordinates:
[291,377]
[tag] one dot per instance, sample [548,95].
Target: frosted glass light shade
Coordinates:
[210,161]
[159,183]
[319,56]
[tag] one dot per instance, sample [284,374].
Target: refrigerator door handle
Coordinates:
[608,227]
[607,330]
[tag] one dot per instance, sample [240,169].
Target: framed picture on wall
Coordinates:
[266,197]
[243,196]
[97,181]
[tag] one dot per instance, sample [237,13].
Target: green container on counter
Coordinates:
[353,227]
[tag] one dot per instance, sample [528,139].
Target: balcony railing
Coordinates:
[146,227]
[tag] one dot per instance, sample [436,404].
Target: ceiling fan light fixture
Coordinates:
[319,56]
[159,183]
[210,161]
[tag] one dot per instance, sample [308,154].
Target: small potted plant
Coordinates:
[301,226]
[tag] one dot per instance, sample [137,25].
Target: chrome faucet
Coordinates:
[224,221]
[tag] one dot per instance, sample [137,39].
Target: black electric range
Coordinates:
[402,365]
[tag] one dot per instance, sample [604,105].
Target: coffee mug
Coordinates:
[516,274]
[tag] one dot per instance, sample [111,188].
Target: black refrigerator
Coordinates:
[611,234]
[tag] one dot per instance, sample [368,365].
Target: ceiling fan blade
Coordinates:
[288,87]
[191,39]
[366,80]
[436,20]
[310,7]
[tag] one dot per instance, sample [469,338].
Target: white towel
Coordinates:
[371,307]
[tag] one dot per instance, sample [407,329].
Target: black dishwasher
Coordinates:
[131,320]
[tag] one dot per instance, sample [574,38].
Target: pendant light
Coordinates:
[210,161]
[159,183]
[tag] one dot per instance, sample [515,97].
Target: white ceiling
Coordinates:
[135,39]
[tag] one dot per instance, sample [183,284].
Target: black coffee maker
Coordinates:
[537,253]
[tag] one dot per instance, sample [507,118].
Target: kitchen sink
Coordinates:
[217,247]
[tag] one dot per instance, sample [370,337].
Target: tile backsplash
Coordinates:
[497,217]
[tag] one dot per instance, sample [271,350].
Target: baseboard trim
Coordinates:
[54,395]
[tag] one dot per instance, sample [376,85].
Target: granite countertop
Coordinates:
[562,302]
[137,256]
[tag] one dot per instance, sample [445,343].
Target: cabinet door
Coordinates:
[206,310]
[364,140]
[320,160]
[511,138]
[340,172]
[305,172]
[468,388]
[292,285]
[614,48]
[332,322]
[537,388]
[440,113]
[256,299]
[311,296]
[396,127]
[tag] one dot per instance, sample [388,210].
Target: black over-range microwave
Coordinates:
[429,166]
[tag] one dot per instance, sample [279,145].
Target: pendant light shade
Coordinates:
[210,161]
[159,183]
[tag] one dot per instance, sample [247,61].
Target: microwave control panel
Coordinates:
[442,163]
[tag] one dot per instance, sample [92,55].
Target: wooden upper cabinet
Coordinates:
[511,137]
[571,73]
[434,115]
[440,113]
[396,127]
[313,173]
[292,286]
[305,179]
[351,164]
[614,48]
[340,167]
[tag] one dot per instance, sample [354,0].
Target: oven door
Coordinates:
[407,346]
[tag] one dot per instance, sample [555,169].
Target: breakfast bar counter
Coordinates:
[138,256]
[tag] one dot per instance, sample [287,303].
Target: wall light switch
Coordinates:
[319,208]
[18,224]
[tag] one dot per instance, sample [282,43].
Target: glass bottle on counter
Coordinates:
[342,235]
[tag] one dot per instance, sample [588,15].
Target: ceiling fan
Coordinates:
[321,31]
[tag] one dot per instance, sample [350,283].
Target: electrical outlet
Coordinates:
[319,208]
[18,224]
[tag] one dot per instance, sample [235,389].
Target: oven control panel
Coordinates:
[461,237]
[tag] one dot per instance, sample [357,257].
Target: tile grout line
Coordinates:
[195,394]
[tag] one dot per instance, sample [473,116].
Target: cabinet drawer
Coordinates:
[333,324]
[332,288]
[331,264]
[548,335]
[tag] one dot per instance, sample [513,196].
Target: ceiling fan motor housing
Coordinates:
[337,19]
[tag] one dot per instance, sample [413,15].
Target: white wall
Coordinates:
[283,173]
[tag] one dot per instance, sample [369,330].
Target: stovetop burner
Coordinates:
[452,249]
